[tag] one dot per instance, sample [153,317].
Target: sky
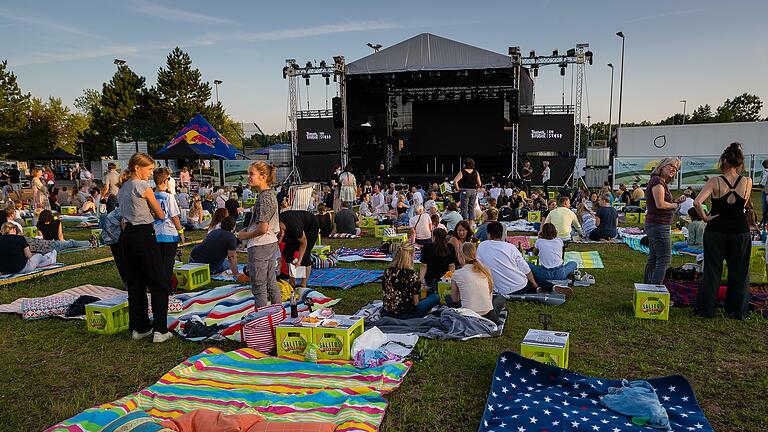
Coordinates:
[700,51]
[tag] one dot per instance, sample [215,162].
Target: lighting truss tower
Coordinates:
[580,59]
[517,66]
[293,108]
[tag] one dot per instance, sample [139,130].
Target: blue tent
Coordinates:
[266,150]
[198,140]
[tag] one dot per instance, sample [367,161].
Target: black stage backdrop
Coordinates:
[560,167]
[548,132]
[317,167]
[461,127]
[317,135]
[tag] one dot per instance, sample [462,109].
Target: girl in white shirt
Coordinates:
[549,248]
[472,287]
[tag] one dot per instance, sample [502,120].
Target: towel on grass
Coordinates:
[245,381]
[37,270]
[584,259]
[633,241]
[344,278]
[528,395]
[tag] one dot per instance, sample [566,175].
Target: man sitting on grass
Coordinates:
[219,249]
[564,219]
[510,271]
[346,220]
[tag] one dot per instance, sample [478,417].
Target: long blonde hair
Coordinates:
[469,253]
[10,228]
[196,209]
[403,258]
[137,160]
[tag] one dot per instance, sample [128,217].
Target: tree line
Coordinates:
[125,109]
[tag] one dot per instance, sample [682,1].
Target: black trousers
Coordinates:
[117,253]
[168,258]
[144,269]
[735,249]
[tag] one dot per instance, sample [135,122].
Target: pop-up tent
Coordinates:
[198,140]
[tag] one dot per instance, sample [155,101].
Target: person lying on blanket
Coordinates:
[695,232]
[402,287]
[50,228]
[549,248]
[218,249]
[15,255]
[299,230]
[510,271]
[472,287]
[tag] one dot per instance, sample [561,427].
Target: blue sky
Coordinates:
[702,51]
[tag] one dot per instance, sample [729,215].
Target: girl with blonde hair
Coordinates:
[472,287]
[261,235]
[401,286]
[15,254]
[143,262]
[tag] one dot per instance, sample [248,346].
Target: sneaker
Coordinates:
[137,336]
[588,278]
[560,289]
[161,337]
[94,241]
[576,275]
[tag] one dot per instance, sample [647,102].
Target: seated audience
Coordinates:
[435,218]
[451,216]
[461,235]
[624,196]
[401,287]
[218,249]
[510,271]
[346,220]
[695,232]
[564,219]
[195,217]
[491,215]
[182,198]
[365,205]
[324,220]
[437,258]
[606,219]
[218,216]
[587,219]
[233,206]
[686,205]
[15,255]
[472,287]
[421,227]
[10,217]
[637,194]
[50,228]
[549,248]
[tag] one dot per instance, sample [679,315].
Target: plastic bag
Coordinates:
[372,339]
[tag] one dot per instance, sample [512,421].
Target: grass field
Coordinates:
[53,369]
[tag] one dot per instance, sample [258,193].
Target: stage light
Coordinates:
[394,124]
[285,72]
[334,77]
[554,53]
[306,80]
[322,63]
[571,52]
[588,54]
[404,98]
[394,104]
[535,70]
[394,114]
[515,50]
[309,64]
[327,79]
[562,68]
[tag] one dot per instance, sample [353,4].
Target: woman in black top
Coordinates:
[324,220]
[50,228]
[467,182]
[726,237]
[401,288]
[16,256]
[436,259]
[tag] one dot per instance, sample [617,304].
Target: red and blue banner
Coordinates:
[198,139]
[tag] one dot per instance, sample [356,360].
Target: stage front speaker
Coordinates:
[514,106]
[338,115]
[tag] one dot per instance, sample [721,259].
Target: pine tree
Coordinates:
[702,114]
[14,107]
[114,117]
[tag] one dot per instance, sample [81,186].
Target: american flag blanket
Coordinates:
[528,396]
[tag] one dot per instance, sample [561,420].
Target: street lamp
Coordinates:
[621,79]
[119,62]
[610,104]
[685,103]
[216,83]
[374,47]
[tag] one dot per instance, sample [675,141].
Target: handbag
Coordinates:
[257,329]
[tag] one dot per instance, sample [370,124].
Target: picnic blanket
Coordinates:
[368,254]
[91,290]
[344,278]
[226,305]
[227,274]
[519,226]
[527,395]
[633,241]
[90,219]
[245,381]
[344,236]
[10,277]
[443,323]
[520,241]
[584,259]
[684,294]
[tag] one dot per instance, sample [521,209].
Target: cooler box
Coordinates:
[192,276]
[651,301]
[548,347]
[108,316]
[68,210]
[336,342]
[292,339]
[534,216]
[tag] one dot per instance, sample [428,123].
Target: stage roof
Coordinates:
[427,52]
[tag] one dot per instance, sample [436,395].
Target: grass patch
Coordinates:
[53,369]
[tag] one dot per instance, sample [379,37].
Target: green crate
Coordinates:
[108,316]
[336,342]
[292,340]
[192,276]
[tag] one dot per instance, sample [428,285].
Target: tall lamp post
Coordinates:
[216,83]
[621,78]
[610,104]
[685,103]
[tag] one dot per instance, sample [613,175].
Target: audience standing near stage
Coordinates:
[660,209]
[39,191]
[467,182]
[564,219]
[526,176]
[348,186]
[546,174]
[168,230]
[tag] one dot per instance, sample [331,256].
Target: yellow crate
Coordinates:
[379,230]
[651,301]
[321,250]
[30,231]
[367,222]
[292,340]
[552,195]
[336,342]
[534,216]
[27,222]
[192,276]
[68,210]
[633,218]
[533,259]
[642,218]
[108,316]
[440,206]
[444,288]
[397,238]
[642,203]
[96,232]
[249,202]
[548,347]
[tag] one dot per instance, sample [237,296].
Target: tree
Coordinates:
[51,125]
[89,103]
[745,107]
[702,114]
[14,107]
[676,119]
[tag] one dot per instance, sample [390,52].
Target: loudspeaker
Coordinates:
[514,106]
[338,115]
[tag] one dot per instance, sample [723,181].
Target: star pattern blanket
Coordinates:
[528,396]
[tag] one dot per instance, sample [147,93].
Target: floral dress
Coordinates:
[400,285]
[40,195]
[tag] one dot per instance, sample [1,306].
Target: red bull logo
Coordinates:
[193,137]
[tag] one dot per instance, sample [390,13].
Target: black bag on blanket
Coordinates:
[78,307]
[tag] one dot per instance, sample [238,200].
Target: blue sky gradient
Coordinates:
[702,51]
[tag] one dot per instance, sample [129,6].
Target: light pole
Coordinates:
[216,83]
[685,103]
[610,104]
[621,78]
[119,62]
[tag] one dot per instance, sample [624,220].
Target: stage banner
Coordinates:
[548,132]
[695,171]
[634,170]
[757,167]
[236,171]
[317,135]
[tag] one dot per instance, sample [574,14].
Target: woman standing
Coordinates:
[726,237]
[421,227]
[144,266]
[660,209]
[39,191]
[348,184]
[261,235]
[467,182]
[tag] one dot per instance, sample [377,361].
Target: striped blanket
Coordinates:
[344,278]
[367,254]
[633,242]
[227,304]
[248,382]
[584,259]
[92,290]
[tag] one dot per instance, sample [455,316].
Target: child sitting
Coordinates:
[549,248]
[587,219]
[695,232]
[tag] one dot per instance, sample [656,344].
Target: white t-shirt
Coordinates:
[165,230]
[247,193]
[451,219]
[545,175]
[221,201]
[421,223]
[183,199]
[473,289]
[495,192]
[508,268]
[550,252]
[508,192]
[685,206]
[428,205]
[418,199]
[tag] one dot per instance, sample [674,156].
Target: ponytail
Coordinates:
[469,252]
[137,160]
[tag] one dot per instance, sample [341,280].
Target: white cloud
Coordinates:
[72,55]
[650,17]
[172,14]
[50,25]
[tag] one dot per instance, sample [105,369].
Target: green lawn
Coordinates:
[53,369]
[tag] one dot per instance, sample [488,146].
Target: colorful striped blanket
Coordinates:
[226,305]
[354,255]
[584,259]
[344,278]
[248,382]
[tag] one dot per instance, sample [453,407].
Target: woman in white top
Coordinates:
[472,287]
[549,248]
[348,190]
[421,227]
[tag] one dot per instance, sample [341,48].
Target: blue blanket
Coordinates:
[344,278]
[530,396]
[634,244]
